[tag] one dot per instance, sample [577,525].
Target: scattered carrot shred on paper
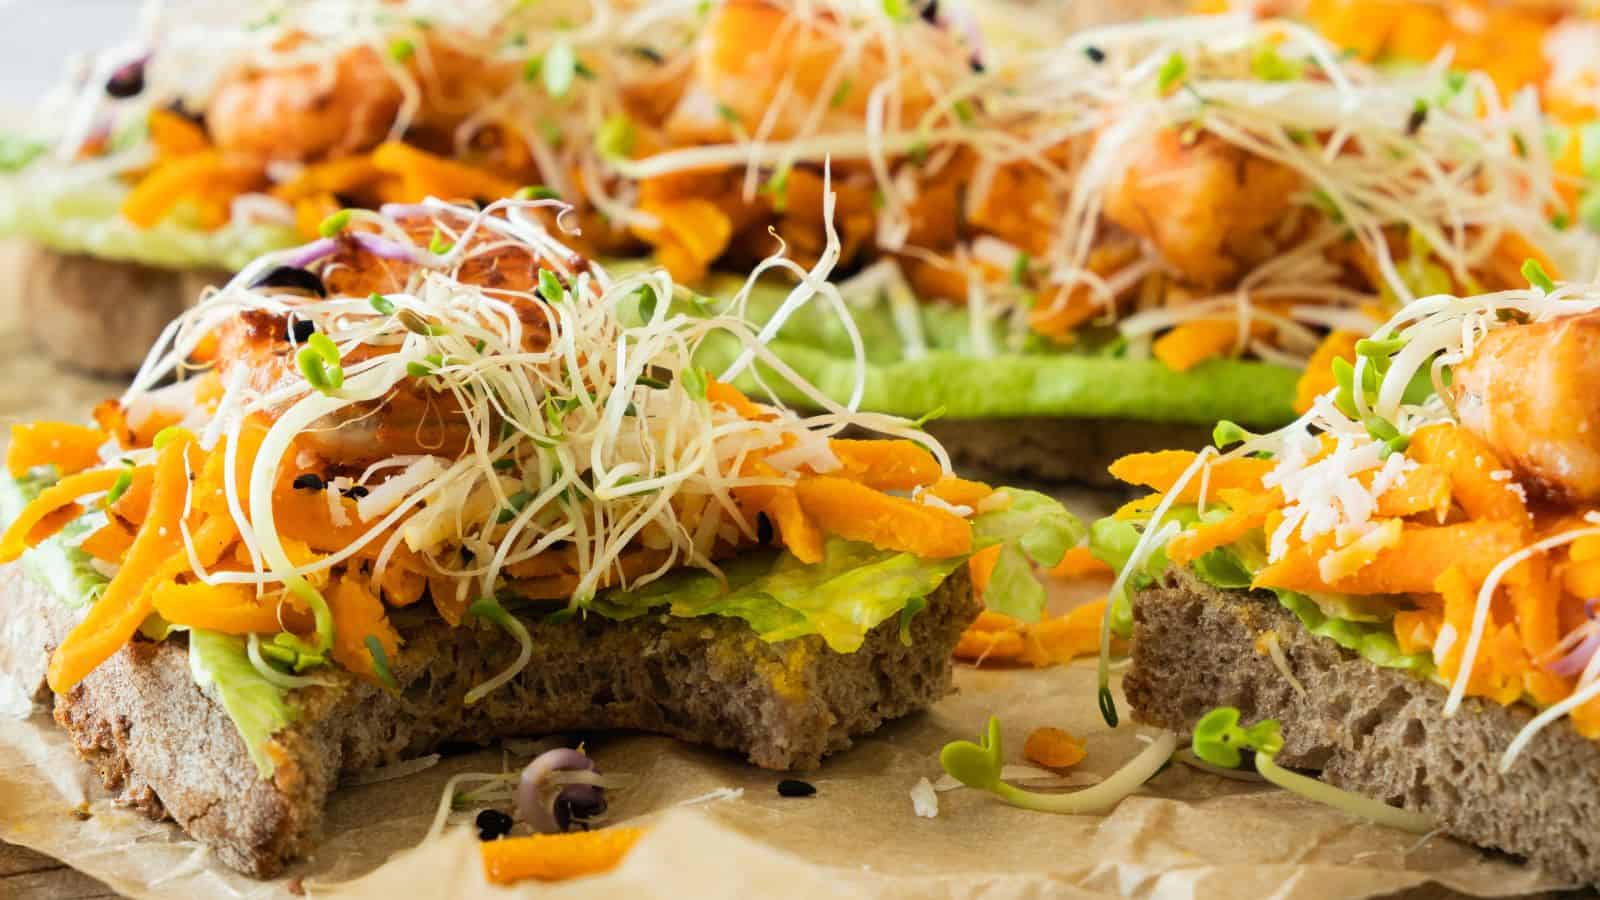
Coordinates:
[1053,748]
[1079,563]
[1057,639]
[556,857]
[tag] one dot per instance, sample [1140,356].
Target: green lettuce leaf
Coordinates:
[55,563]
[1039,380]
[854,588]
[220,665]
[74,216]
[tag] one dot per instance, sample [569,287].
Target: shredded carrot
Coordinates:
[1249,514]
[690,233]
[346,175]
[228,608]
[1053,748]
[1536,599]
[1078,562]
[959,491]
[1318,377]
[982,566]
[1469,463]
[732,397]
[126,603]
[25,530]
[1198,341]
[1162,469]
[797,530]
[859,513]
[886,465]
[198,175]
[556,857]
[176,136]
[1411,566]
[427,175]
[1423,489]
[70,448]
[1050,641]
[358,614]
[110,543]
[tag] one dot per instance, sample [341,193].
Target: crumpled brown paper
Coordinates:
[718,828]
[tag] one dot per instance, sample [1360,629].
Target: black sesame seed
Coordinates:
[930,12]
[310,481]
[301,330]
[1095,54]
[356,492]
[127,80]
[794,787]
[492,824]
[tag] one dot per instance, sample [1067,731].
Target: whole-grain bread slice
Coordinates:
[1046,449]
[168,749]
[1379,732]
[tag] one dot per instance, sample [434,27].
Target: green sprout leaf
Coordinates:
[616,137]
[121,485]
[550,287]
[380,662]
[1227,433]
[975,765]
[1218,737]
[559,67]
[334,224]
[537,192]
[840,94]
[1172,72]
[438,245]
[695,380]
[1536,276]
[401,50]
[382,305]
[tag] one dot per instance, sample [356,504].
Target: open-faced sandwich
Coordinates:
[1404,579]
[1159,222]
[435,477]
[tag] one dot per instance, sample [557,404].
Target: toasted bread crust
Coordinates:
[166,748]
[99,316]
[1379,732]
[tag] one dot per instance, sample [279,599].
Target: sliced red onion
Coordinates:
[384,248]
[1576,661]
[310,253]
[536,800]
[578,805]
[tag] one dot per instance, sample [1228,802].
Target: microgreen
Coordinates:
[438,245]
[334,224]
[401,50]
[558,68]
[550,287]
[382,305]
[979,765]
[1536,276]
[1229,433]
[695,380]
[1220,740]
[318,362]
[1172,72]
[537,192]
[380,662]
[121,485]
[615,139]
[840,94]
